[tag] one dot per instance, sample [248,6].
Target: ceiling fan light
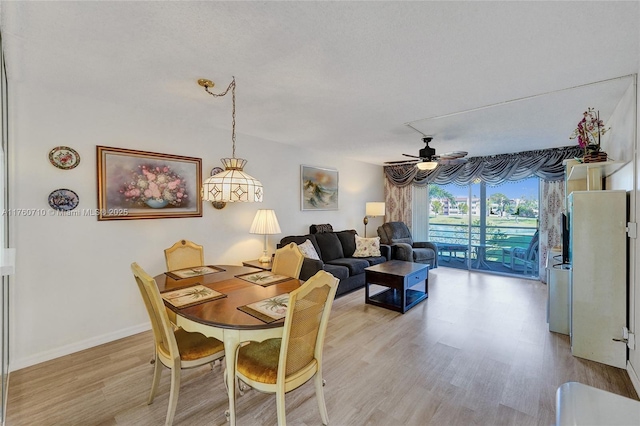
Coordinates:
[427,165]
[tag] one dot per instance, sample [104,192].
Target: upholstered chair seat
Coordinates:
[194,346]
[259,360]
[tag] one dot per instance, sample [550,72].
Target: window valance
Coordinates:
[494,169]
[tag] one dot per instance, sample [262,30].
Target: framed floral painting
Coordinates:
[319,188]
[147,185]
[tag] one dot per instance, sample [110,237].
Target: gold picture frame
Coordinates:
[147,185]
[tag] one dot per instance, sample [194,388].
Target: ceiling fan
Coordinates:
[427,159]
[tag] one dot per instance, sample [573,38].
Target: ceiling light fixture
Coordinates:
[232,185]
[427,165]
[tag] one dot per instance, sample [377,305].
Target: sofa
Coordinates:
[335,251]
[398,236]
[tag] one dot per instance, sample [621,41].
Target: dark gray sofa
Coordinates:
[335,250]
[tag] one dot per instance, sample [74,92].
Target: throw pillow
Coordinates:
[348,241]
[308,250]
[330,247]
[319,229]
[367,247]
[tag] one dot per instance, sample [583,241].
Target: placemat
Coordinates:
[195,271]
[264,278]
[192,295]
[268,310]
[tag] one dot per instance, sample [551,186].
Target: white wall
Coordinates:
[633,366]
[73,288]
[621,145]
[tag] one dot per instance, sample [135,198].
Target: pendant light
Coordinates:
[232,185]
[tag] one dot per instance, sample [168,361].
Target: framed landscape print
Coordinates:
[147,185]
[319,188]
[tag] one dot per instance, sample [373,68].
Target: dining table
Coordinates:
[221,318]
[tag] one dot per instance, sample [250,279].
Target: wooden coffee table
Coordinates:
[403,280]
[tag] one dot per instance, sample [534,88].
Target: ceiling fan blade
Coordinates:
[451,161]
[412,156]
[453,155]
[401,162]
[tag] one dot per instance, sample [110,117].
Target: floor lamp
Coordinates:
[265,223]
[372,210]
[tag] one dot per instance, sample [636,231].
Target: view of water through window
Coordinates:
[484,227]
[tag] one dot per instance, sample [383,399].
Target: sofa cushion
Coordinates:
[330,247]
[356,266]
[348,241]
[338,271]
[421,255]
[375,260]
[308,250]
[367,247]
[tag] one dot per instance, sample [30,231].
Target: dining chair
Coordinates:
[283,364]
[175,348]
[184,254]
[288,261]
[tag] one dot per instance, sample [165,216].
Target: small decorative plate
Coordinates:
[216,170]
[64,158]
[63,200]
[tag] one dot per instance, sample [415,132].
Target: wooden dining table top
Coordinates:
[224,312]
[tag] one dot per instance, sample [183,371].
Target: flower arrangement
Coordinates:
[157,183]
[589,130]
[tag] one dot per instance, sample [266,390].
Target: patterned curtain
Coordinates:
[397,203]
[495,169]
[551,207]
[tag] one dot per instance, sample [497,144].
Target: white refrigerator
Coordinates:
[598,292]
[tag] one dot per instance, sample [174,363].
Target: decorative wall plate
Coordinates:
[64,157]
[63,200]
[216,170]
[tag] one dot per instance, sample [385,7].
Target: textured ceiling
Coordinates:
[344,76]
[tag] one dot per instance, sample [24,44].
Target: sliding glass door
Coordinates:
[486,228]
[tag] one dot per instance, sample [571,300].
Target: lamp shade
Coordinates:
[427,165]
[375,209]
[265,223]
[232,185]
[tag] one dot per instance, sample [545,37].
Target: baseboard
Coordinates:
[20,363]
[635,380]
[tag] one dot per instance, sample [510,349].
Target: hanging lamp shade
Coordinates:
[232,185]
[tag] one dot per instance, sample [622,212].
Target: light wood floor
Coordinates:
[477,351]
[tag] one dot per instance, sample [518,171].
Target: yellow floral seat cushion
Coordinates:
[259,360]
[194,346]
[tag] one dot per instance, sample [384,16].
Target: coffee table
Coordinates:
[402,280]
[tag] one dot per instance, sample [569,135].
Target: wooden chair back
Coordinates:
[305,325]
[164,337]
[288,261]
[184,254]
